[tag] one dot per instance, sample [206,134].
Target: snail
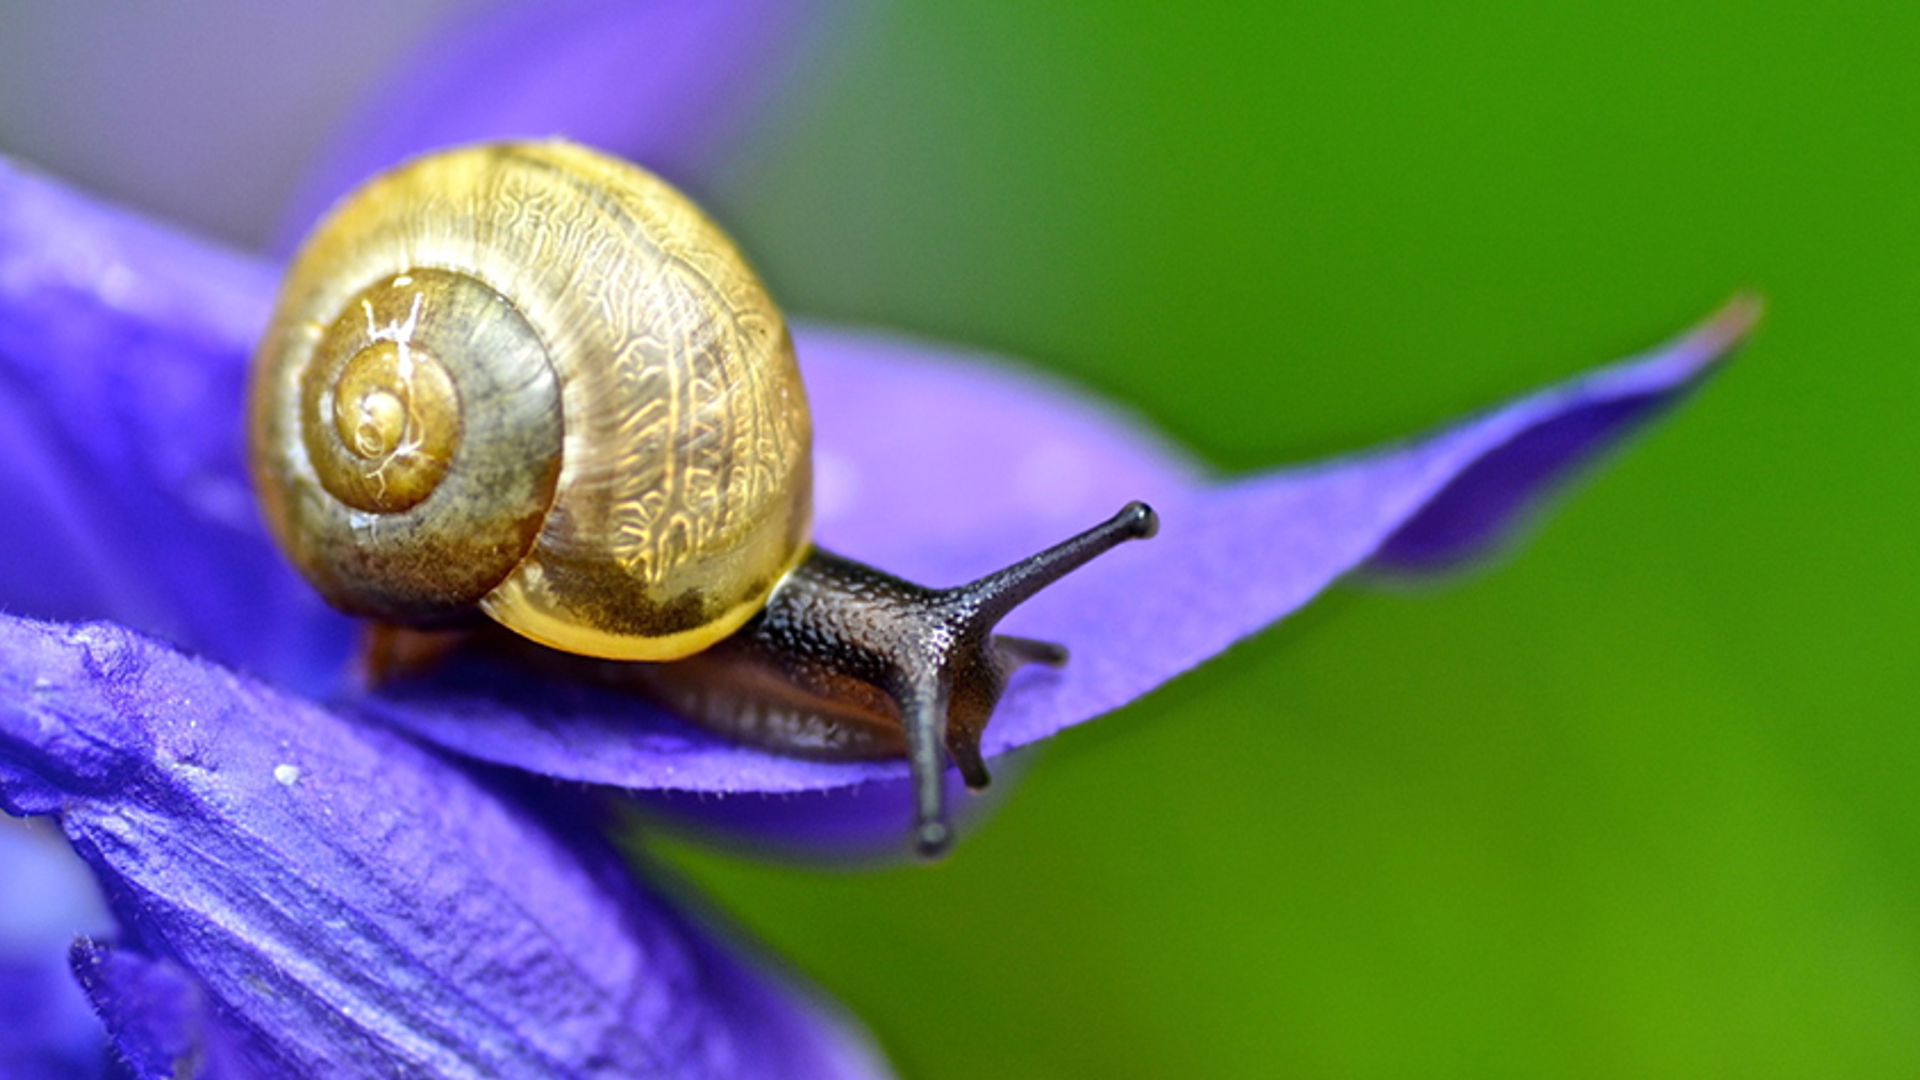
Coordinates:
[534,382]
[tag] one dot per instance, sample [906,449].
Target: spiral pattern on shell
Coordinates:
[536,380]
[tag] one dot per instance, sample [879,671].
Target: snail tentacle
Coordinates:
[923,713]
[847,661]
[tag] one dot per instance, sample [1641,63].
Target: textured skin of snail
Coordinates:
[534,382]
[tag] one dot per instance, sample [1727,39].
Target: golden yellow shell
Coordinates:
[536,379]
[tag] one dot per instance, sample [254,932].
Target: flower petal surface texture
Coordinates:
[301,894]
[933,464]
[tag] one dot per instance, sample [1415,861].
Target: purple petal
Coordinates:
[1232,560]
[121,359]
[157,1015]
[667,83]
[123,352]
[46,901]
[1484,502]
[975,467]
[348,903]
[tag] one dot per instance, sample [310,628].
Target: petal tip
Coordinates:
[1723,333]
[1551,437]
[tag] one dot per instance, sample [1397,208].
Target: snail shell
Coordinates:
[537,380]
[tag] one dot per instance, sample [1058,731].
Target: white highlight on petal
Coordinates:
[836,486]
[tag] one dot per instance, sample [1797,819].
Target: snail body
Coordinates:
[535,382]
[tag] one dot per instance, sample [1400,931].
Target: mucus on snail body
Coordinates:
[536,382]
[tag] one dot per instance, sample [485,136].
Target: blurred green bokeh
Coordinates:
[1637,802]
[1633,803]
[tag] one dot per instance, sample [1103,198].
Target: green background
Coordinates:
[1636,801]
